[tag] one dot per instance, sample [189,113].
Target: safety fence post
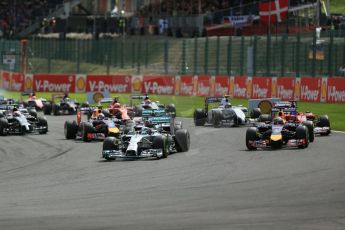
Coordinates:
[268,55]
[122,55]
[166,56]
[206,56]
[242,56]
[255,49]
[330,54]
[133,54]
[297,58]
[282,57]
[146,53]
[183,57]
[313,63]
[115,52]
[229,56]
[78,55]
[139,57]
[195,56]
[217,55]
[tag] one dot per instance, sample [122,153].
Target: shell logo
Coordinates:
[265,106]
[324,90]
[81,84]
[98,96]
[136,84]
[28,83]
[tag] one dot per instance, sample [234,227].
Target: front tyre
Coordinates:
[251,136]
[70,129]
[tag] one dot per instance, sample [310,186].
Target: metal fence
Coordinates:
[275,55]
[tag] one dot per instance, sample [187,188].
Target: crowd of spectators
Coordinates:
[16,15]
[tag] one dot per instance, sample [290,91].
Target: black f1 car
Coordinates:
[66,105]
[97,127]
[277,134]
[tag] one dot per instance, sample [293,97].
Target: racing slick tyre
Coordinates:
[310,127]
[56,109]
[171,108]
[47,109]
[70,129]
[41,121]
[217,118]
[138,111]
[109,144]
[199,117]
[159,142]
[324,122]
[302,133]
[182,139]
[33,112]
[3,126]
[85,130]
[264,118]
[256,112]
[1,115]
[251,135]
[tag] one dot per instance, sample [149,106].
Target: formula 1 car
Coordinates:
[277,134]
[34,102]
[97,127]
[223,113]
[115,109]
[65,106]
[14,120]
[288,109]
[147,104]
[156,139]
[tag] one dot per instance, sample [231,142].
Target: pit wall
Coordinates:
[308,89]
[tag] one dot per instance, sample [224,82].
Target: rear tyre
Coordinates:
[159,142]
[56,109]
[251,135]
[42,122]
[171,108]
[256,112]
[182,139]
[324,122]
[33,112]
[302,133]
[70,129]
[3,127]
[199,117]
[85,130]
[264,118]
[138,111]
[217,118]
[106,113]
[47,109]
[310,127]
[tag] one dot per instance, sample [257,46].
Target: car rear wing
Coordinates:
[136,97]
[153,112]
[159,120]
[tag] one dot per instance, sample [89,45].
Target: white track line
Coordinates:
[338,131]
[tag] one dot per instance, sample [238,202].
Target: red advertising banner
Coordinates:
[240,87]
[262,87]
[203,85]
[310,89]
[221,86]
[54,83]
[336,90]
[17,82]
[159,84]
[108,83]
[6,80]
[186,85]
[285,88]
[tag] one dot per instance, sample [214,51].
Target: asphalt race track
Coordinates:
[47,182]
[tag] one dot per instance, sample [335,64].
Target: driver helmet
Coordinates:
[147,100]
[94,114]
[278,121]
[101,116]
[117,105]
